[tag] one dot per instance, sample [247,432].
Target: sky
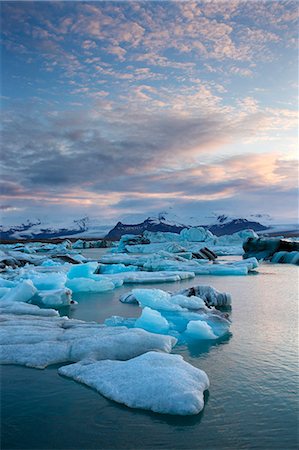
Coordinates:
[118,109]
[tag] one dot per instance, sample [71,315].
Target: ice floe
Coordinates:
[154,381]
[174,314]
[37,337]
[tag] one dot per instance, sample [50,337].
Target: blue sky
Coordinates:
[124,108]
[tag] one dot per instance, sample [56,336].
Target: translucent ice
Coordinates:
[23,292]
[161,383]
[116,268]
[90,285]
[151,320]
[82,270]
[200,330]
[286,257]
[47,280]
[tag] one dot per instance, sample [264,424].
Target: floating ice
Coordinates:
[151,320]
[198,329]
[7,283]
[286,257]
[209,295]
[157,277]
[90,285]
[35,341]
[56,298]
[23,292]
[154,381]
[82,270]
[46,281]
[116,268]
[199,267]
[156,299]
[172,313]
[195,234]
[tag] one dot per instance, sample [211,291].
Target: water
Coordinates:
[252,402]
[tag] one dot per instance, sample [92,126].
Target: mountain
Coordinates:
[235,225]
[150,224]
[46,229]
[166,221]
[223,225]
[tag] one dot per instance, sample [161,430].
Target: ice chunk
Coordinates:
[191,302]
[116,268]
[154,381]
[47,281]
[286,257]
[3,291]
[200,330]
[38,355]
[153,321]
[82,270]
[128,297]
[56,298]
[195,234]
[7,283]
[211,296]
[90,285]
[177,312]
[35,341]
[157,277]
[17,308]
[155,299]
[23,292]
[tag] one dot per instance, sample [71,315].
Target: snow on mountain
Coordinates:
[46,229]
[165,221]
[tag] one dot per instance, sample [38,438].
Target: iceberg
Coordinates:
[154,381]
[265,248]
[286,257]
[23,292]
[46,281]
[151,320]
[37,337]
[198,329]
[172,314]
[90,285]
[195,234]
[56,298]
[115,268]
[82,270]
[208,294]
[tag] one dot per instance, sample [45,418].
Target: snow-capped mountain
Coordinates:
[222,226]
[45,229]
[166,221]
[149,224]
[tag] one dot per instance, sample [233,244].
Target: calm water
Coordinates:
[252,402]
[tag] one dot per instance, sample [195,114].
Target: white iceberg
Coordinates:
[90,285]
[154,381]
[56,298]
[37,338]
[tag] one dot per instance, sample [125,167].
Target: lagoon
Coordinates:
[252,402]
